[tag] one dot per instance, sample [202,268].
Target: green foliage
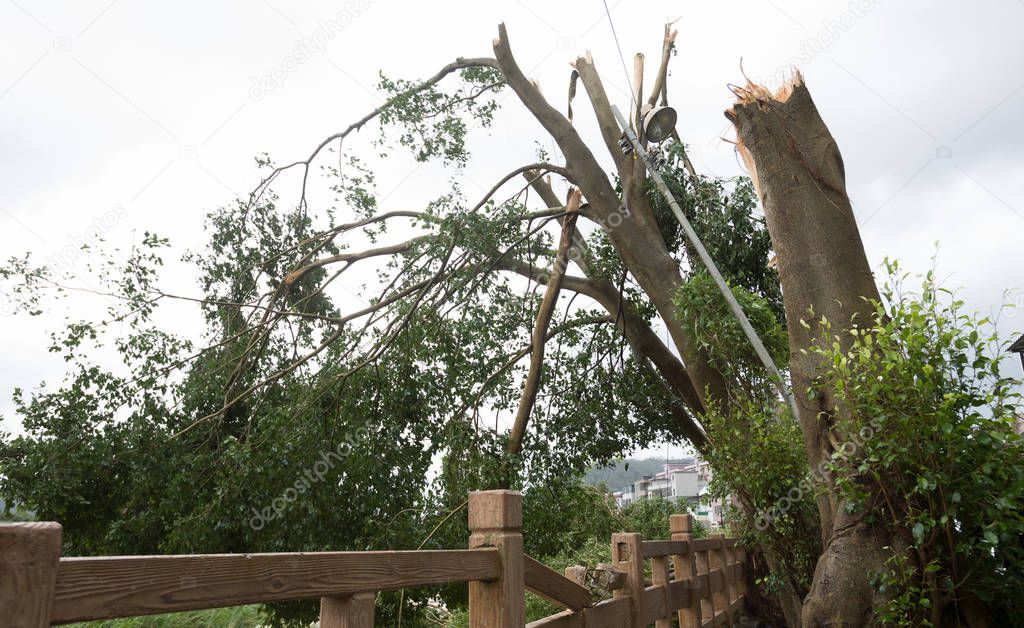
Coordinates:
[759,459]
[715,329]
[430,121]
[723,212]
[229,441]
[756,450]
[937,456]
[233,617]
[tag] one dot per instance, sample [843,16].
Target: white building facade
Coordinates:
[687,480]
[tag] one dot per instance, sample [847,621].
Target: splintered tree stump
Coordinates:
[799,175]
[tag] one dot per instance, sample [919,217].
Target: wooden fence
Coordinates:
[701,580]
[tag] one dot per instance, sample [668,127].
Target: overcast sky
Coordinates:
[146,115]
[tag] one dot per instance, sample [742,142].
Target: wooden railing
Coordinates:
[701,580]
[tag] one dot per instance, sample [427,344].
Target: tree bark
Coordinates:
[540,329]
[798,171]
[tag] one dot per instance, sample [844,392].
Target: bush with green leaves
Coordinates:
[756,447]
[939,460]
[231,617]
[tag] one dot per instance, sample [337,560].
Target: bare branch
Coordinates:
[352,257]
[580,252]
[602,109]
[540,328]
[511,359]
[661,80]
[585,170]
[538,168]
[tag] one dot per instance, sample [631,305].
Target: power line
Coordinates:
[622,58]
[709,264]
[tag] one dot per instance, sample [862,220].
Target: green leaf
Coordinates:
[918,532]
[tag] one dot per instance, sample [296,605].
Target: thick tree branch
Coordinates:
[585,170]
[659,88]
[540,328]
[580,252]
[599,102]
[641,337]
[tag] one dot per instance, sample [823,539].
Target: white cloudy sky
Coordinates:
[143,113]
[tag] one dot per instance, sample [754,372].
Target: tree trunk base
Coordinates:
[841,593]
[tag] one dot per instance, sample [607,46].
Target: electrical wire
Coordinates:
[622,58]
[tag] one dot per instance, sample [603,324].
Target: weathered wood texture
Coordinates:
[607,614]
[628,557]
[660,577]
[496,520]
[716,561]
[352,611]
[685,566]
[554,587]
[700,557]
[126,586]
[28,569]
[705,585]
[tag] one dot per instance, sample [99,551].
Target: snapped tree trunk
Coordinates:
[799,175]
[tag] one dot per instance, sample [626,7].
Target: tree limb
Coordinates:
[459,64]
[540,328]
[637,331]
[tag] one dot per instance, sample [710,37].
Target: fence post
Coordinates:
[686,567]
[496,520]
[659,577]
[347,611]
[717,560]
[29,553]
[628,557]
[742,584]
[707,610]
[731,565]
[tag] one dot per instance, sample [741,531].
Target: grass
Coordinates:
[232,617]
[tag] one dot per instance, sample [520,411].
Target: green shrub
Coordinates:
[932,453]
[232,617]
[756,450]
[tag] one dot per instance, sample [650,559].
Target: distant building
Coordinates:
[687,480]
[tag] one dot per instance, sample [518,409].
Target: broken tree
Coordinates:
[799,175]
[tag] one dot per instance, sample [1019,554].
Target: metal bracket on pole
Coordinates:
[709,263]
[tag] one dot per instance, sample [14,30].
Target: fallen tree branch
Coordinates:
[540,328]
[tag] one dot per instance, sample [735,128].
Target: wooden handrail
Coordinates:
[657,549]
[555,587]
[706,584]
[607,614]
[127,586]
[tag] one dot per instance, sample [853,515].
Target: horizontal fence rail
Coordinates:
[700,581]
[106,588]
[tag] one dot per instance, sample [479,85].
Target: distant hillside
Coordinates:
[625,472]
